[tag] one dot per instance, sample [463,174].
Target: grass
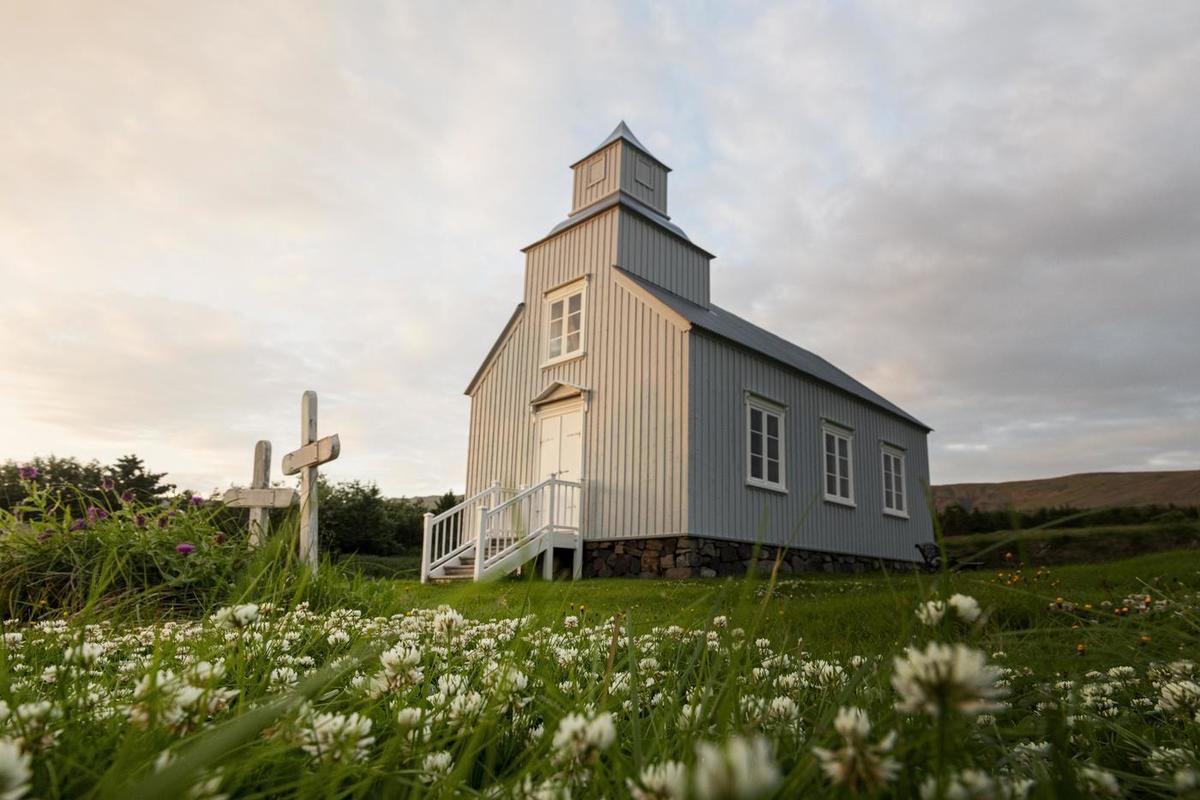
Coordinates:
[840,615]
[346,685]
[1092,545]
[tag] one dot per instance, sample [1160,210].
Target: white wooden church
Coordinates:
[624,424]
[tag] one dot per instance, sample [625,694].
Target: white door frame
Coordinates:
[554,409]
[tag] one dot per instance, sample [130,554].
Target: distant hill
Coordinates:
[1085,490]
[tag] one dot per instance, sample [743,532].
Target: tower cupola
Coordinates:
[620,164]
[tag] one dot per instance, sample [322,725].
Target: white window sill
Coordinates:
[770,487]
[554,362]
[897,514]
[840,501]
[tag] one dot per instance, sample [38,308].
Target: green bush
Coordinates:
[63,551]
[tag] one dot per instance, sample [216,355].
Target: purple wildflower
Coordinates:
[164,521]
[127,496]
[28,473]
[79,524]
[94,513]
[107,484]
[139,520]
[184,548]
[195,500]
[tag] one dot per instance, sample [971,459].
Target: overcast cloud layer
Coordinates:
[990,213]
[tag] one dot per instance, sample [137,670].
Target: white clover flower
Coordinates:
[973,784]
[236,616]
[283,678]
[84,654]
[740,768]
[783,710]
[336,637]
[720,622]
[666,781]
[435,765]
[337,738]
[946,678]
[571,623]
[1180,698]
[690,715]
[1099,782]
[966,607]
[579,736]
[858,764]
[409,718]
[15,770]
[447,621]
[931,612]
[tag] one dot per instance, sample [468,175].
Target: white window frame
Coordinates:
[564,294]
[896,454]
[839,432]
[766,407]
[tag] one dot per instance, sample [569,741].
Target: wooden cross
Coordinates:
[305,460]
[260,498]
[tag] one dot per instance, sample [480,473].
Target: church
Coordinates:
[624,424]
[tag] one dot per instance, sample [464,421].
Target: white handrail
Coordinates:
[449,534]
[527,515]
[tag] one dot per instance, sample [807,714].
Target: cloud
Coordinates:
[987,213]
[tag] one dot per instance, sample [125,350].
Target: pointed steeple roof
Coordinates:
[622,132]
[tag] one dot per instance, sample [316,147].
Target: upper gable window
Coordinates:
[894,501]
[565,313]
[839,464]
[764,444]
[643,174]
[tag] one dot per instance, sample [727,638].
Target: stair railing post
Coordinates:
[426,543]
[481,543]
[548,532]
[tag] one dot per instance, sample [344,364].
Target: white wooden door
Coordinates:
[561,454]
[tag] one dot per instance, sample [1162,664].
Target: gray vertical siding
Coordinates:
[654,195]
[648,251]
[722,505]
[636,364]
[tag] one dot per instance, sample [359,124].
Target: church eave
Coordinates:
[627,202]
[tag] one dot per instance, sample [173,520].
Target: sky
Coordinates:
[987,212]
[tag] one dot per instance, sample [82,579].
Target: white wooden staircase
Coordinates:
[496,531]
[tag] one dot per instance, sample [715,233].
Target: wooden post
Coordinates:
[425,544]
[480,542]
[259,497]
[308,484]
[260,518]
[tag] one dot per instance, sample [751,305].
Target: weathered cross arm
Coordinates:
[260,498]
[312,454]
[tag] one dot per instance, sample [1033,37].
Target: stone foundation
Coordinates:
[695,557]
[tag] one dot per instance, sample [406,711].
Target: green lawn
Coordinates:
[845,615]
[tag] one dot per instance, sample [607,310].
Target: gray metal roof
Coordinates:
[626,200]
[508,326]
[621,132]
[727,325]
